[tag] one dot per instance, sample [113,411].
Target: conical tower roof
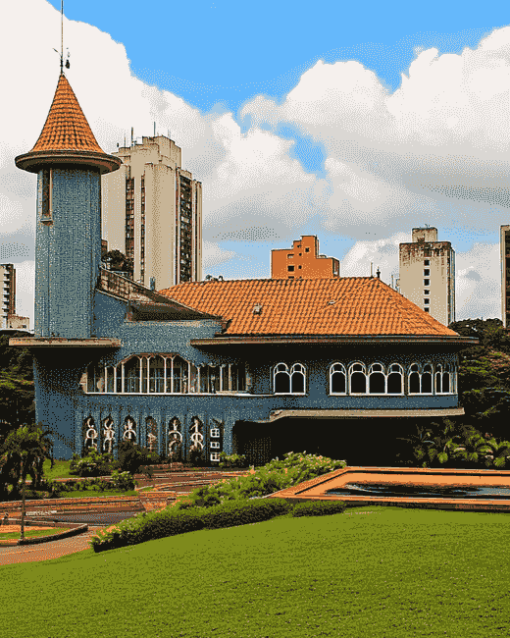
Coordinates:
[66,137]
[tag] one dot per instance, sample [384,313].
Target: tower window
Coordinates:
[426,282]
[426,272]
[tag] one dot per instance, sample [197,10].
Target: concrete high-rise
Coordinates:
[152,212]
[8,279]
[427,274]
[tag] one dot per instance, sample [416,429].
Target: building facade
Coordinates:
[152,212]
[427,274]
[8,279]
[258,367]
[303,261]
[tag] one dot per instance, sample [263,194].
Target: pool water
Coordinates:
[422,491]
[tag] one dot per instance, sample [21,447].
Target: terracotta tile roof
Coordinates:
[344,306]
[66,127]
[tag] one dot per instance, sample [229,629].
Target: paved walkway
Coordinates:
[46,551]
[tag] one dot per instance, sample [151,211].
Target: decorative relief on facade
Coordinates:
[108,435]
[196,436]
[152,434]
[129,429]
[174,440]
[90,435]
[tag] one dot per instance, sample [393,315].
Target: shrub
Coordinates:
[94,464]
[318,508]
[170,522]
[233,460]
[121,481]
[132,456]
[276,475]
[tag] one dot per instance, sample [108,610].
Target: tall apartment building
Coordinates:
[427,274]
[504,245]
[8,279]
[303,261]
[152,212]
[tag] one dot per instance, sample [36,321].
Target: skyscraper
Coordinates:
[152,212]
[427,274]
[8,279]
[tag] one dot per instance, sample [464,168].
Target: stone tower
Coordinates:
[69,163]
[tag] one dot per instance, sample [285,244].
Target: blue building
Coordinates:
[254,366]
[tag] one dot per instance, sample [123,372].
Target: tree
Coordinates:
[16,385]
[118,261]
[23,453]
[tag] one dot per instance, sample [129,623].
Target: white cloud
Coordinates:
[436,150]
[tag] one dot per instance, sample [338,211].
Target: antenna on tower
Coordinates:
[67,63]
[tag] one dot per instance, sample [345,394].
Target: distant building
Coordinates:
[8,279]
[15,322]
[303,261]
[152,212]
[427,274]
[504,245]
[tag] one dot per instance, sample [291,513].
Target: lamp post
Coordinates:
[22,530]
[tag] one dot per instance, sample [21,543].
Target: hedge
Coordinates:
[170,522]
[318,508]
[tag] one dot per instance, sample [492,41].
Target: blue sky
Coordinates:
[354,122]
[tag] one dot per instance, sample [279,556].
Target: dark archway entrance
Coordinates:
[368,441]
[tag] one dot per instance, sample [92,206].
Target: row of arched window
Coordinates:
[376,379]
[165,374]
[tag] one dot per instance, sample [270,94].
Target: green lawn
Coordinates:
[32,533]
[60,469]
[369,572]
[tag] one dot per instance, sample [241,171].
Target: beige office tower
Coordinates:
[427,274]
[504,245]
[8,279]
[152,212]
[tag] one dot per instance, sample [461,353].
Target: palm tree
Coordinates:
[24,451]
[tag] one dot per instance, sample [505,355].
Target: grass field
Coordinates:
[369,572]
[60,469]
[32,533]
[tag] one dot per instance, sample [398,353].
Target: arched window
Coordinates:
[444,379]
[357,378]
[95,378]
[414,379]
[298,379]
[157,375]
[180,371]
[426,379]
[132,375]
[420,379]
[337,379]
[281,379]
[395,379]
[439,379]
[376,379]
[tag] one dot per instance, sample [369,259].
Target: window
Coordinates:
[215,456]
[426,262]
[337,379]
[420,379]
[427,309]
[376,379]
[444,376]
[426,301]
[215,433]
[290,256]
[426,272]
[215,445]
[395,379]
[426,282]
[426,292]
[290,268]
[291,381]
[307,250]
[357,379]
